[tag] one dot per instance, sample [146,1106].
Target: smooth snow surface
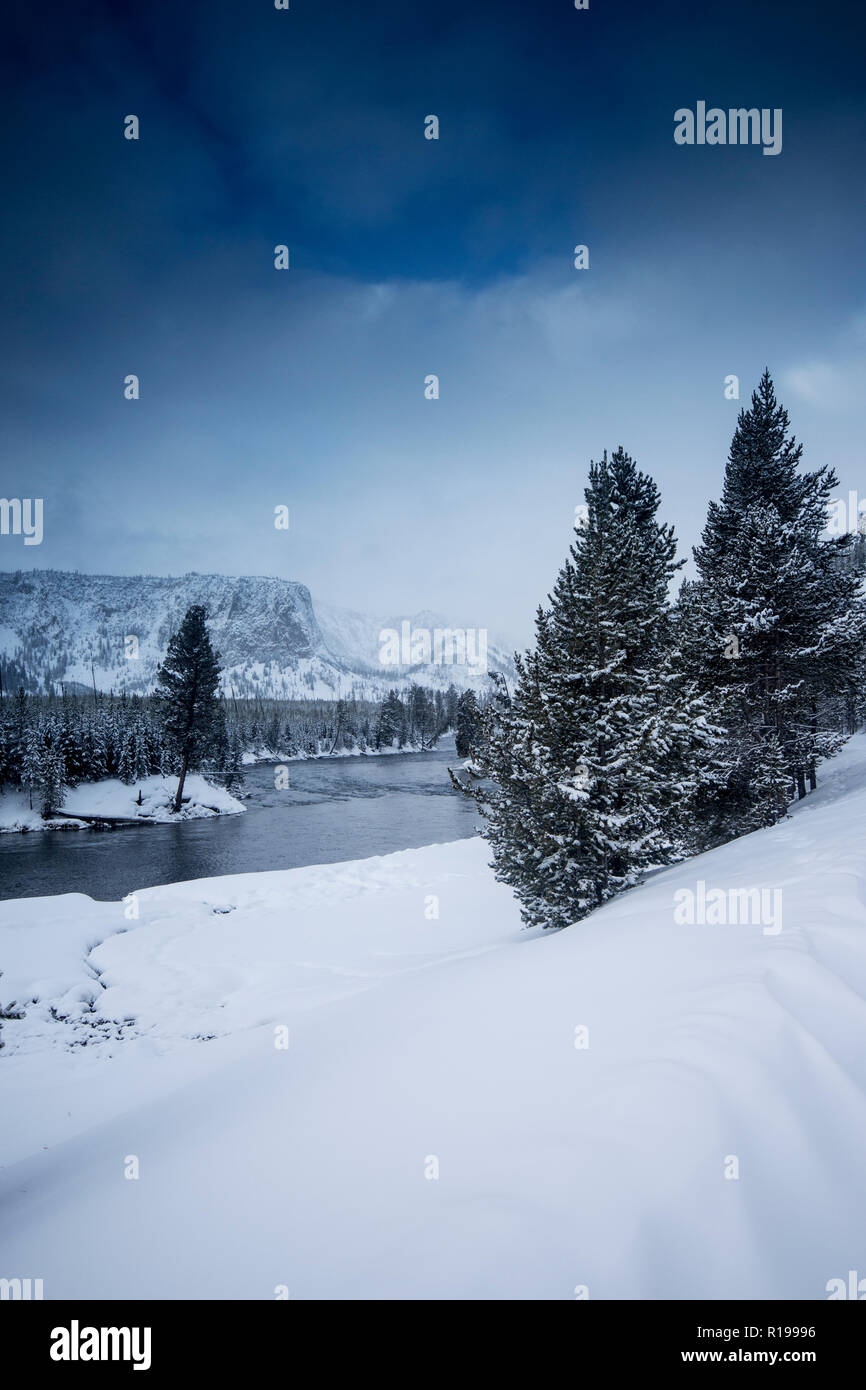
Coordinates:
[418,1040]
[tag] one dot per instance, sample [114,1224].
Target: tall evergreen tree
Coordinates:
[468,723]
[451,696]
[422,718]
[234,769]
[591,765]
[20,713]
[391,724]
[126,761]
[140,752]
[186,693]
[774,628]
[95,751]
[53,780]
[7,753]
[32,759]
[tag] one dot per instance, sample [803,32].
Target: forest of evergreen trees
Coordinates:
[641,731]
[50,742]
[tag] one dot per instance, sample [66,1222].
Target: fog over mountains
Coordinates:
[60,628]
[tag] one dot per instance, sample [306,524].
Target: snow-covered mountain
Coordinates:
[113,630]
[358,640]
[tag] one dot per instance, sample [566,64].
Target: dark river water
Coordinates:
[333,809]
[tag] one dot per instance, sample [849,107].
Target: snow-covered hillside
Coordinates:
[356,640]
[76,629]
[438,1126]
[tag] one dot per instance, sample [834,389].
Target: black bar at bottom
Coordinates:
[225,1338]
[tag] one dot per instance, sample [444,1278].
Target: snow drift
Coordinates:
[632,1108]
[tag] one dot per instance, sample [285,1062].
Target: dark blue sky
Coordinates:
[412,257]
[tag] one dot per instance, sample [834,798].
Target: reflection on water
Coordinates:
[333,809]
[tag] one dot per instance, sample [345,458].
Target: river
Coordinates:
[333,809]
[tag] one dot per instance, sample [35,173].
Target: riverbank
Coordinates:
[267,755]
[149,800]
[114,803]
[311,811]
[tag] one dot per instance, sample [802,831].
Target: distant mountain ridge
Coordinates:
[65,628]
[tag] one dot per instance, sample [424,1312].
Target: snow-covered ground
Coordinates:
[634,1107]
[113,798]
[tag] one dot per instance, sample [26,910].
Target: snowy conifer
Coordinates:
[32,759]
[467,721]
[391,724]
[773,630]
[592,763]
[126,761]
[53,781]
[187,683]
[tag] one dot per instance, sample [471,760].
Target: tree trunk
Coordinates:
[801,784]
[183,771]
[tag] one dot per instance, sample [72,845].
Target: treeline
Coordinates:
[292,728]
[51,742]
[640,732]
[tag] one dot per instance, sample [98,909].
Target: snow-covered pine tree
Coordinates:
[467,722]
[288,743]
[16,726]
[66,736]
[186,694]
[218,756]
[53,781]
[771,783]
[167,760]
[20,715]
[421,717]
[591,766]
[126,761]
[774,628]
[391,724]
[140,752]
[31,759]
[8,761]
[234,778]
[114,736]
[95,755]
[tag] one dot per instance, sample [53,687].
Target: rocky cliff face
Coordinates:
[61,627]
